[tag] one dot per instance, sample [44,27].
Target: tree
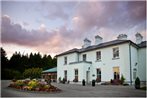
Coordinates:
[4,60]
[29,65]
[4,63]
[32,73]
[16,62]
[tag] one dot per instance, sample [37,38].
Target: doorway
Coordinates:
[88,76]
[116,73]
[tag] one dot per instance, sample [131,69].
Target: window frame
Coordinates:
[98,55]
[76,74]
[98,73]
[65,60]
[84,57]
[115,52]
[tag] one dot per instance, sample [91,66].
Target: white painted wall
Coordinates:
[134,60]
[142,64]
[61,66]
[106,64]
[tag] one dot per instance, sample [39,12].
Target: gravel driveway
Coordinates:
[75,90]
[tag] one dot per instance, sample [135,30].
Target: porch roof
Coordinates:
[50,70]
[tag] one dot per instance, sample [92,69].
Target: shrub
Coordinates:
[19,83]
[64,80]
[33,84]
[12,74]
[32,73]
[111,81]
[122,79]
[137,83]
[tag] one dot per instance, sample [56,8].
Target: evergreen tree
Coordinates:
[18,63]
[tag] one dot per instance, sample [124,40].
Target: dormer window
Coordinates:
[84,57]
[116,52]
[65,60]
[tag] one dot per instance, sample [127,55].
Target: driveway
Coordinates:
[75,90]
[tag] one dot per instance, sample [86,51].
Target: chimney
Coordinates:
[98,39]
[139,38]
[122,37]
[87,43]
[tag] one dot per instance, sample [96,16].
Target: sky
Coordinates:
[53,27]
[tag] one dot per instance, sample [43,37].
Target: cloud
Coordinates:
[54,10]
[14,33]
[25,24]
[117,15]
[84,19]
[40,39]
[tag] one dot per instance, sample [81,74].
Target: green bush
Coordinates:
[12,74]
[32,73]
[137,83]
[122,79]
[19,83]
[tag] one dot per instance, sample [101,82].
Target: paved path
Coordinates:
[76,90]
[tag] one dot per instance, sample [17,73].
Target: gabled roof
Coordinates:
[102,45]
[50,70]
[143,44]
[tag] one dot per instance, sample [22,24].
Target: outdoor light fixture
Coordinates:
[88,68]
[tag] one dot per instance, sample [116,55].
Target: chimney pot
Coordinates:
[98,39]
[139,38]
[122,37]
[87,43]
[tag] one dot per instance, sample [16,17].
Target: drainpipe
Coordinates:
[130,63]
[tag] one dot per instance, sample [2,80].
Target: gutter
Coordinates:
[130,63]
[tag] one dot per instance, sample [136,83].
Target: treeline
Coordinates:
[19,63]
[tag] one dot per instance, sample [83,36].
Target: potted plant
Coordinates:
[93,82]
[122,79]
[83,82]
[137,83]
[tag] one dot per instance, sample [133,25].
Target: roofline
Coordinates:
[76,51]
[127,41]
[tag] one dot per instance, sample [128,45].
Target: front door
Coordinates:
[88,76]
[116,72]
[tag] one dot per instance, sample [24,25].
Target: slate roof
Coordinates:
[143,44]
[50,70]
[102,45]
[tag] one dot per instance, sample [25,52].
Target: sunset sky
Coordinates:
[52,27]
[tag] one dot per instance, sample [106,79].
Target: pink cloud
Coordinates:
[87,20]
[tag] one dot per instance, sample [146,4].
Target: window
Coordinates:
[116,52]
[65,60]
[76,74]
[84,57]
[98,55]
[134,73]
[98,75]
[65,74]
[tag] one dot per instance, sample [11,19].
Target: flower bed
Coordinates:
[33,85]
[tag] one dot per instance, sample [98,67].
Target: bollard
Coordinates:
[83,82]
[93,82]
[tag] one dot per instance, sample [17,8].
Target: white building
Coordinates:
[104,60]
